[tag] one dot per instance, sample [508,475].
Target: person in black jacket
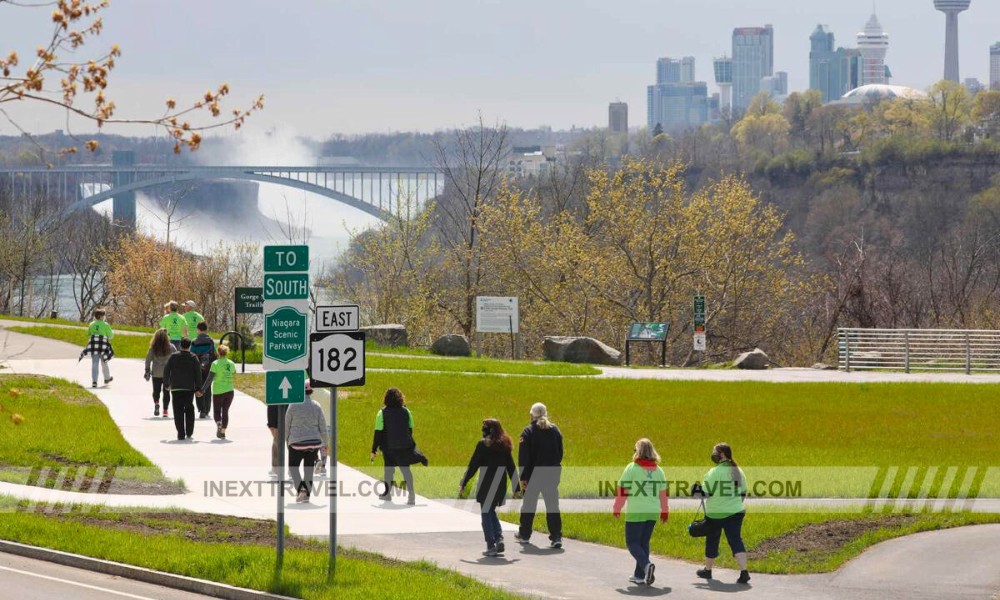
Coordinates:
[540,454]
[182,375]
[494,462]
[394,435]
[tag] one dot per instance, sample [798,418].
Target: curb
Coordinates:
[177,582]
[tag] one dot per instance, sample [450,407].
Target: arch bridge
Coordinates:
[373,190]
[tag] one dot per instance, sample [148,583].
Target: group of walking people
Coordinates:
[190,373]
[641,495]
[182,370]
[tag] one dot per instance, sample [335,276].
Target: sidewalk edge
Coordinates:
[177,582]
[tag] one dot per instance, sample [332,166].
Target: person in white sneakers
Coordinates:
[304,429]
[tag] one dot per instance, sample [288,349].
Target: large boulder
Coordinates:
[452,345]
[755,360]
[391,334]
[580,350]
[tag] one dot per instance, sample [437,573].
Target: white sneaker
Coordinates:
[637,580]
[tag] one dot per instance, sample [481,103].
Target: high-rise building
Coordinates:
[724,79]
[873,43]
[951,8]
[687,69]
[995,66]
[753,59]
[677,106]
[775,86]
[618,117]
[668,70]
[832,72]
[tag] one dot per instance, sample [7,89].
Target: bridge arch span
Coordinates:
[349,200]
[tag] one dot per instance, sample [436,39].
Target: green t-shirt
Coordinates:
[725,491]
[174,324]
[192,318]
[380,420]
[223,369]
[643,487]
[99,327]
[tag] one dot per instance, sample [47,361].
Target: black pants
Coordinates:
[394,459]
[296,458]
[183,412]
[221,403]
[733,528]
[157,388]
[546,485]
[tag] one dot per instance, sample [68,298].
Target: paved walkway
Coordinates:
[957,563]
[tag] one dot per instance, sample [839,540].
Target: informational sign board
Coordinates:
[285,387]
[653,332]
[340,317]
[497,314]
[249,300]
[337,359]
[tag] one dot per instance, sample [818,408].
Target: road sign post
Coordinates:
[699,323]
[286,350]
[336,357]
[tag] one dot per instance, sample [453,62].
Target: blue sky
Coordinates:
[353,66]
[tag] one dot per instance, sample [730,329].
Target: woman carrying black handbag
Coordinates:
[722,493]
[394,435]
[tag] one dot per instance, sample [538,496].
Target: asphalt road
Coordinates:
[29,579]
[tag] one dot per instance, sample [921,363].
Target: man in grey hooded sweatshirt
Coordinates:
[305,427]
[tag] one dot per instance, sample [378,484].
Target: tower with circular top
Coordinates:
[951,8]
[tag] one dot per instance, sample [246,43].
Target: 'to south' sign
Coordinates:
[286,308]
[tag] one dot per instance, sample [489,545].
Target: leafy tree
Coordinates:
[59,75]
[986,112]
[952,109]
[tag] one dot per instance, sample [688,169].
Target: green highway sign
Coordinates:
[286,286]
[286,259]
[286,334]
[285,387]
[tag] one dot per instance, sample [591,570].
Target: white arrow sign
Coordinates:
[284,387]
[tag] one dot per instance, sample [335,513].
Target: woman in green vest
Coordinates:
[724,488]
[642,491]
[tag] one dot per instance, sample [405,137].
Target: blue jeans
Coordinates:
[491,526]
[637,536]
[733,526]
[97,358]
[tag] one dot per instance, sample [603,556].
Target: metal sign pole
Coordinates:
[281,486]
[331,457]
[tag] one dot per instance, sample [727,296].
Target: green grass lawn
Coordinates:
[764,534]
[134,346]
[174,546]
[71,323]
[64,427]
[838,439]
[126,346]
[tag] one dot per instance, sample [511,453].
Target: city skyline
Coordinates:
[351,67]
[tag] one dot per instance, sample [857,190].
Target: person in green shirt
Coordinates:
[642,490]
[191,318]
[99,346]
[220,383]
[724,489]
[174,323]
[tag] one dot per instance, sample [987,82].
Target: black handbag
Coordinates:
[700,527]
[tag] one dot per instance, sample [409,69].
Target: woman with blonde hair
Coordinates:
[160,350]
[642,490]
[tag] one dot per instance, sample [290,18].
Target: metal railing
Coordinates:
[972,350]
